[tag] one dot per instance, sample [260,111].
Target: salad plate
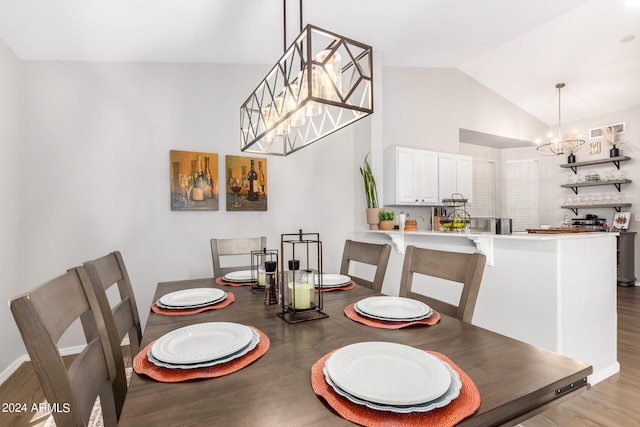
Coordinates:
[393,308]
[190,298]
[388,373]
[452,393]
[169,307]
[334,280]
[406,319]
[201,342]
[240,276]
[255,340]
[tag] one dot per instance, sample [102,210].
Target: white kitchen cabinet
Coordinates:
[420,177]
[454,175]
[410,177]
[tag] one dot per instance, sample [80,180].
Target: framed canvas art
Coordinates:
[194,181]
[621,220]
[246,183]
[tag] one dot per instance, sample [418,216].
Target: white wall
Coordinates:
[95,168]
[11,189]
[96,162]
[426,107]
[550,212]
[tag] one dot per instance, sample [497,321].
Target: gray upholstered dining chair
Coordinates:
[368,253]
[232,249]
[120,318]
[466,269]
[42,316]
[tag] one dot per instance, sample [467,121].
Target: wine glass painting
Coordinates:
[246,179]
[194,181]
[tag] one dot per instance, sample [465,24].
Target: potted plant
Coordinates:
[371,193]
[610,135]
[386,220]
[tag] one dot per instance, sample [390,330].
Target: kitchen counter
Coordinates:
[556,291]
[484,241]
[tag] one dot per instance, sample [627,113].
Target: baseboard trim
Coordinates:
[603,374]
[4,375]
[66,351]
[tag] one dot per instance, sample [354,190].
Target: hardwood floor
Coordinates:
[616,400]
[613,402]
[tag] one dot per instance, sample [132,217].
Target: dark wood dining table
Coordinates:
[515,380]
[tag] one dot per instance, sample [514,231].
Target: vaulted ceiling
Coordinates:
[518,48]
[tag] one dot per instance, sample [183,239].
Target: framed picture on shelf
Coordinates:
[246,183]
[621,220]
[193,181]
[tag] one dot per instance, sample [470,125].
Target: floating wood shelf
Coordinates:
[615,160]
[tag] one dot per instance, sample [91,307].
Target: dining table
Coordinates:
[515,380]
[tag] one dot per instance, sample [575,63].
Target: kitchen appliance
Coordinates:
[503,225]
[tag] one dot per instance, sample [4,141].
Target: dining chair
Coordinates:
[367,253]
[43,315]
[466,269]
[120,318]
[234,248]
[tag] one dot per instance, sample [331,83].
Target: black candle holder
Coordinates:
[300,301]
[258,258]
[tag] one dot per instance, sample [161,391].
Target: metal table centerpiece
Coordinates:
[300,301]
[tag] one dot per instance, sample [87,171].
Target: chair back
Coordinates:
[120,320]
[367,253]
[42,316]
[234,247]
[463,268]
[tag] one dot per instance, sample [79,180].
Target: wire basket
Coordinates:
[456,201]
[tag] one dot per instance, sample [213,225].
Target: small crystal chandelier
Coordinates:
[322,83]
[560,146]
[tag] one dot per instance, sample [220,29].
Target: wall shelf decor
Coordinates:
[592,180]
[615,160]
[577,185]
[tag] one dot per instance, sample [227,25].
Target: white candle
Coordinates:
[302,298]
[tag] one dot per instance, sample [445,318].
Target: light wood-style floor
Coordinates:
[613,402]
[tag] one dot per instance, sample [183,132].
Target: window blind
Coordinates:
[484,189]
[522,194]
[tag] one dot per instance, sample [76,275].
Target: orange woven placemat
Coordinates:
[340,288]
[181,312]
[142,365]
[221,281]
[352,314]
[462,407]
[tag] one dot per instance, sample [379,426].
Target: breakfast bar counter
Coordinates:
[556,291]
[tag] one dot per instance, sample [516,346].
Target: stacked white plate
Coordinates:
[203,345]
[395,309]
[333,280]
[191,298]
[241,276]
[392,377]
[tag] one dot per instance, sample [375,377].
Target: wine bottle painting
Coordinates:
[194,181]
[246,183]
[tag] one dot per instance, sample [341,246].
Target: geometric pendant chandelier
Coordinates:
[559,146]
[322,83]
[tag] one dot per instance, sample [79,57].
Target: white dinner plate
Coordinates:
[239,276]
[169,307]
[191,297]
[388,373]
[452,393]
[255,340]
[334,280]
[407,319]
[388,307]
[201,342]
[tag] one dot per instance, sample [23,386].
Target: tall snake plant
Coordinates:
[370,189]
